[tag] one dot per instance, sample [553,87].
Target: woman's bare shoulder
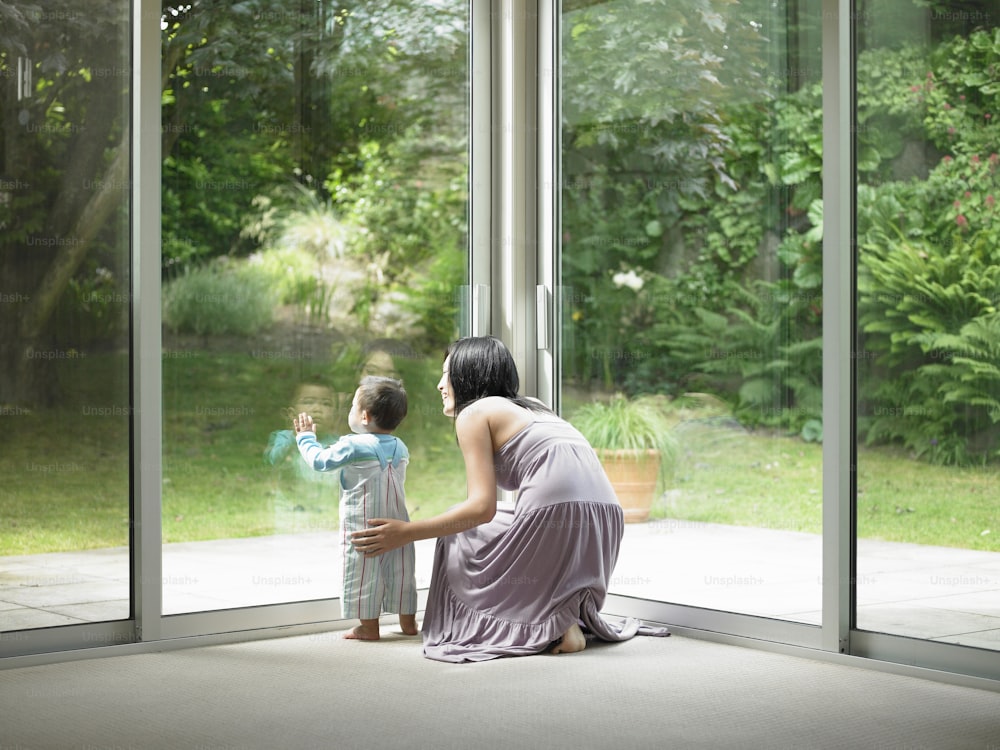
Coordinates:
[502,417]
[492,405]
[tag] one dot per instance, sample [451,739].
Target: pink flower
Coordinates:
[946,105]
[988,116]
[974,159]
[990,201]
[946,159]
[930,74]
[914,88]
[967,195]
[961,221]
[951,131]
[956,204]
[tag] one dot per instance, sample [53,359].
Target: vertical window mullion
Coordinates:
[837,325]
[146,345]
[547,208]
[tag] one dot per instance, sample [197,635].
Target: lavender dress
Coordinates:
[514,585]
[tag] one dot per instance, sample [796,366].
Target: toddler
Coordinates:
[372,464]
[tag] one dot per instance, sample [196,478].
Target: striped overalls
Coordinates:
[373,472]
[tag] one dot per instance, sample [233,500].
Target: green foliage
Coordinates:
[301,238]
[256,96]
[295,278]
[196,229]
[929,272]
[656,107]
[407,209]
[929,286]
[298,220]
[758,356]
[888,112]
[712,322]
[435,300]
[63,199]
[93,311]
[645,148]
[410,211]
[361,106]
[622,423]
[960,96]
[220,298]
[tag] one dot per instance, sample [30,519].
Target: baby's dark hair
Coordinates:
[384,399]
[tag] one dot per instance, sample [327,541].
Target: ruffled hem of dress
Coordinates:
[478,636]
[471,635]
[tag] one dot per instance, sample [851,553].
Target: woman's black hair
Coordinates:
[481,366]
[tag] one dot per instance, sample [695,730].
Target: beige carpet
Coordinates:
[320,691]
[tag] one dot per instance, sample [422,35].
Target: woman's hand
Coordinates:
[382,535]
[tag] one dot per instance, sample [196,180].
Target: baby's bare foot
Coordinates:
[363,633]
[408,624]
[571,642]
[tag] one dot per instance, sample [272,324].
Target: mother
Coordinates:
[518,581]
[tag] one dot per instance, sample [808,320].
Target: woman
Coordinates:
[513,582]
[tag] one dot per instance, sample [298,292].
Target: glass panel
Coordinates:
[64,314]
[928,352]
[314,226]
[691,236]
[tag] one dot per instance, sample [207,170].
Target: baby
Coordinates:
[372,464]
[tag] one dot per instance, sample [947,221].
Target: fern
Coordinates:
[927,312]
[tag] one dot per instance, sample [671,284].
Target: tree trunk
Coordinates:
[26,373]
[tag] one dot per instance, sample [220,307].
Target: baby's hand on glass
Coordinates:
[303,423]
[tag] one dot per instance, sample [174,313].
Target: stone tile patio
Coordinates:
[944,594]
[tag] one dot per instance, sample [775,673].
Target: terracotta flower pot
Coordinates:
[633,475]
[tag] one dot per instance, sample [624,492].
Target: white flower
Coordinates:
[630,279]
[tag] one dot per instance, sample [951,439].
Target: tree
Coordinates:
[239,119]
[64,170]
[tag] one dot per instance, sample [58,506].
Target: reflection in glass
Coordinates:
[928,358]
[691,237]
[64,311]
[314,226]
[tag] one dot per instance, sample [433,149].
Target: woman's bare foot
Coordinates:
[366,631]
[408,624]
[571,642]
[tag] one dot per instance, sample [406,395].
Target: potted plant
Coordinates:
[634,441]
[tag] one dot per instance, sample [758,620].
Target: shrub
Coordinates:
[296,278]
[928,293]
[219,298]
[410,207]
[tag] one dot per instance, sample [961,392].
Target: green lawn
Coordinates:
[66,471]
[728,476]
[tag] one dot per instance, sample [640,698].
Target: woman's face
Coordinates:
[447,394]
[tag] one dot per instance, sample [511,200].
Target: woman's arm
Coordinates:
[473,428]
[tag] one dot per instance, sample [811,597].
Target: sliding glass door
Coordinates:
[315,162]
[65,301]
[691,278]
[928,338]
